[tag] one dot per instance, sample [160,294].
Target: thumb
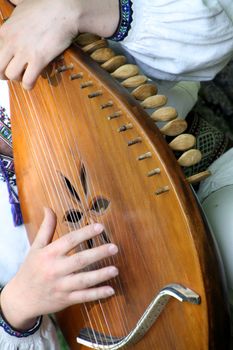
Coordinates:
[46,231]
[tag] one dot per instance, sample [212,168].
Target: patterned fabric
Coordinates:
[11,331]
[125,21]
[211,120]
[7,172]
[8,164]
[4,117]
[5,135]
[211,141]
[215,103]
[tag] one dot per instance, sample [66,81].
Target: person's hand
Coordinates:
[50,280]
[37,31]
[40,30]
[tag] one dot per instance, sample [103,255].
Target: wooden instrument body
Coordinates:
[71,156]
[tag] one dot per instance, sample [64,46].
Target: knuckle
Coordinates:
[47,260]
[80,261]
[11,75]
[98,293]
[88,283]
[28,81]
[50,275]
[36,57]
[81,298]
[69,240]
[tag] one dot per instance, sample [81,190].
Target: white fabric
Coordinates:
[221,175]
[13,240]
[44,339]
[181,40]
[218,209]
[216,197]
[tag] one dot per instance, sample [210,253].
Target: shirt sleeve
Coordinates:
[43,339]
[181,40]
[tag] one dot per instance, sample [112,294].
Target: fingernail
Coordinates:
[113,249]
[113,271]
[98,228]
[110,292]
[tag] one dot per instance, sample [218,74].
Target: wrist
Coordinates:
[99,17]
[13,312]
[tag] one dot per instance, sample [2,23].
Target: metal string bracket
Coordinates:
[96,340]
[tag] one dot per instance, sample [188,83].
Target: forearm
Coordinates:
[99,16]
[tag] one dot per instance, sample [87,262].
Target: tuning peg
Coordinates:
[114,63]
[135,81]
[198,177]
[189,158]
[103,55]
[174,128]
[126,71]
[86,39]
[154,101]
[144,91]
[164,114]
[95,46]
[183,142]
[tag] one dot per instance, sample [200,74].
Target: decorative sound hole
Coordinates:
[71,188]
[83,177]
[103,239]
[99,205]
[73,216]
[85,207]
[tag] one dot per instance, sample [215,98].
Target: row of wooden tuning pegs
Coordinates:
[146,93]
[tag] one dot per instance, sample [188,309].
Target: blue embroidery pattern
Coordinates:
[126,18]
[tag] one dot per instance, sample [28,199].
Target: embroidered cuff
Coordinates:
[125,21]
[18,334]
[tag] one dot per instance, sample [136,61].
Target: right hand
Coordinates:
[35,33]
[40,30]
[49,280]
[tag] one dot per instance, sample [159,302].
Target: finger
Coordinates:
[15,68]
[66,243]
[32,73]
[80,260]
[89,279]
[6,56]
[91,294]
[46,231]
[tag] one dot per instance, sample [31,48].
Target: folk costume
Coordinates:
[170,41]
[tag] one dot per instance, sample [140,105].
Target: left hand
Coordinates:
[49,280]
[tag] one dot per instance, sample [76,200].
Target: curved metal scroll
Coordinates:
[95,340]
